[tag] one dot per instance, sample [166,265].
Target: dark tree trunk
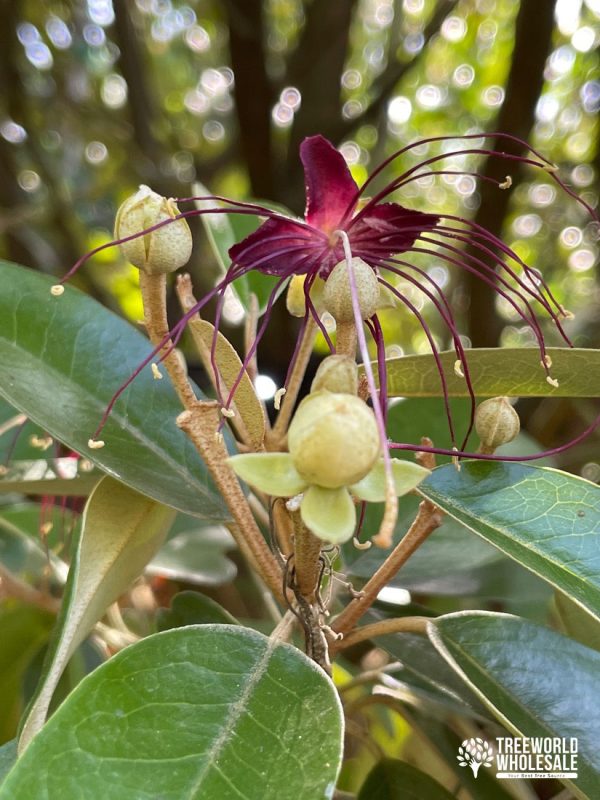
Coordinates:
[316,69]
[533,39]
[253,92]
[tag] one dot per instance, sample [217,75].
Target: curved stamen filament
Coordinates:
[434,350]
[445,313]
[388,523]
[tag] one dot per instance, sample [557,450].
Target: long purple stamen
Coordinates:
[414,448]
[430,140]
[445,313]
[434,350]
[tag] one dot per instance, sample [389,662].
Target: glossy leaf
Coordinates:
[62,359]
[120,533]
[207,712]
[576,622]
[391,779]
[424,669]
[52,476]
[8,756]
[535,681]
[548,521]
[192,608]
[196,556]
[514,372]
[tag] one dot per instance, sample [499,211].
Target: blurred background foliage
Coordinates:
[98,96]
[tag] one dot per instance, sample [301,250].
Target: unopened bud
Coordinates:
[496,423]
[333,439]
[337,297]
[295,299]
[336,374]
[162,250]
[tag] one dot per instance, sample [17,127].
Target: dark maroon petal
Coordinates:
[276,247]
[387,229]
[330,188]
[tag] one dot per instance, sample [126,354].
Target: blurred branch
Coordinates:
[142,106]
[533,40]
[315,68]
[384,86]
[253,91]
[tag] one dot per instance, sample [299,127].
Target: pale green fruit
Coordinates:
[333,439]
[496,423]
[336,374]
[161,251]
[337,296]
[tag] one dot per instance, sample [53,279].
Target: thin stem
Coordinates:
[307,568]
[294,382]
[11,586]
[346,339]
[201,423]
[154,289]
[382,628]
[427,520]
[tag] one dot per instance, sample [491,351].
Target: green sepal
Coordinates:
[406,477]
[272,473]
[329,513]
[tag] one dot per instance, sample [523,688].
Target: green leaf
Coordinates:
[196,556]
[328,513]
[548,521]
[391,779]
[8,757]
[272,473]
[423,669]
[120,533]
[25,629]
[535,681]
[207,712]
[80,353]
[192,608]
[50,476]
[513,372]
[576,622]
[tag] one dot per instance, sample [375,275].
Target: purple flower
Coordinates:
[340,223]
[332,197]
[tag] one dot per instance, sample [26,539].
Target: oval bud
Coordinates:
[336,374]
[160,251]
[295,300]
[333,439]
[337,297]
[496,423]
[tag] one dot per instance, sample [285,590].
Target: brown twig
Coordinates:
[11,586]
[382,628]
[307,568]
[201,423]
[427,520]
[153,288]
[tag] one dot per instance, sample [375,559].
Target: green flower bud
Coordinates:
[337,297]
[496,423]
[333,439]
[336,374]
[160,251]
[295,300]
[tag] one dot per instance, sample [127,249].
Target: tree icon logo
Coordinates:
[475,753]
